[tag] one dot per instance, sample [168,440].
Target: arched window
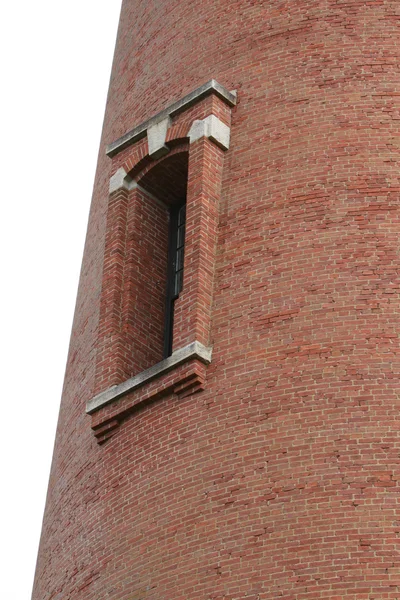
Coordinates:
[154,332]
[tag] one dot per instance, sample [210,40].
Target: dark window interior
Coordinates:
[167,182]
[176,250]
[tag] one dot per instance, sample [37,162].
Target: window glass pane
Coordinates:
[178,283]
[181,236]
[182,215]
[179,259]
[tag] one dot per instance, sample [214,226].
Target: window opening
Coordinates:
[176,253]
[160,272]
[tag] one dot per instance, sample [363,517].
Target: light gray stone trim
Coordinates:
[211,87]
[119,180]
[156,136]
[212,128]
[193,350]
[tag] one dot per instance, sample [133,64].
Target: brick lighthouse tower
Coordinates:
[229,428]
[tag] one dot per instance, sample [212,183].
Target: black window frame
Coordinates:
[176,253]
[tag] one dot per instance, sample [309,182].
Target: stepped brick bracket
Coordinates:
[177,154]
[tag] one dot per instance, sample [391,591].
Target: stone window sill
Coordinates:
[182,373]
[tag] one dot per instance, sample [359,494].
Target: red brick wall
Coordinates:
[280,480]
[134,284]
[132,305]
[144,304]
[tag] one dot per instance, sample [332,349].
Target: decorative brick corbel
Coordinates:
[183,374]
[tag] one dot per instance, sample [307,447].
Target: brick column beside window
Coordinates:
[111,364]
[145,281]
[194,306]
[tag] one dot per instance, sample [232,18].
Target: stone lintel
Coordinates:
[211,87]
[191,351]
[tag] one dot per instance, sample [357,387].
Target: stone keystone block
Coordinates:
[156,136]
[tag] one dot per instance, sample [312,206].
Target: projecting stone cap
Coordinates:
[212,128]
[195,350]
[156,136]
[137,133]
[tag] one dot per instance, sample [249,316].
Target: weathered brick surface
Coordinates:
[132,305]
[280,479]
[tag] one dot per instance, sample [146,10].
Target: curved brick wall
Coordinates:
[280,479]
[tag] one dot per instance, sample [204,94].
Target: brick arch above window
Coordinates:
[167,179]
[174,158]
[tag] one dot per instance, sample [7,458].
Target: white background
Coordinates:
[55,67]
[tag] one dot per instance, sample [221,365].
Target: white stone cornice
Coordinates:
[211,87]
